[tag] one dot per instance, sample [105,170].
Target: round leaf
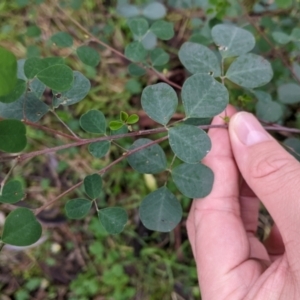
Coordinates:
[138,26]
[160,210]
[21,228]
[93,121]
[250,71]
[88,56]
[289,93]
[36,87]
[281,37]
[28,106]
[62,39]
[8,71]
[149,160]
[132,119]
[159,101]
[99,149]
[149,41]
[193,181]
[199,59]
[12,192]
[113,219]
[123,116]
[135,70]
[266,109]
[232,40]
[154,11]
[16,93]
[93,185]
[203,96]
[57,77]
[33,66]
[163,30]
[78,91]
[12,136]
[189,143]
[135,51]
[159,57]
[115,125]
[127,10]
[78,208]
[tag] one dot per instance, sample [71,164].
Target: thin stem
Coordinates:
[102,171]
[82,142]
[1,245]
[65,125]
[7,176]
[44,128]
[96,206]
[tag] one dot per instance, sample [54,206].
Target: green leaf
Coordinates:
[266,109]
[135,70]
[203,96]
[88,56]
[284,3]
[163,30]
[189,143]
[78,208]
[115,125]
[193,181]
[250,71]
[159,101]
[33,31]
[154,11]
[12,192]
[99,149]
[132,119]
[78,91]
[8,72]
[232,40]
[93,185]
[123,116]
[149,41]
[128,11]
[150,160]
[135,51]
[113,219]
[93,121]
[295,35]
[62,39]
[138,26]
[281,37]
[121,130]
[199,59]
[16,93]
[292,145]
[33,66]
[21,228]
[37,87]
[27,107]
[159,57]
[160,211]
[197,121]
[289,93]
[57,77]
[12,136]
[53,60]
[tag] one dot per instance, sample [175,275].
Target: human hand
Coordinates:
[232,263]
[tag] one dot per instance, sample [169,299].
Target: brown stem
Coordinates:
[102,171]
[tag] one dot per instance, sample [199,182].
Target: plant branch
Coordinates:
[7,176]
[102,171]
[98,41]
[44,128]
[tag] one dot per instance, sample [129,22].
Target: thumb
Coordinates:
[271,172]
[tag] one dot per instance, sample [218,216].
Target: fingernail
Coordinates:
[248,130]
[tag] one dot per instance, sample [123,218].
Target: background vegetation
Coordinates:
[78,259]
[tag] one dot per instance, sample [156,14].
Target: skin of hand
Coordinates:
[232,263]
